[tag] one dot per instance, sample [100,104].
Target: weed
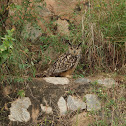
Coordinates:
[112,112]
[70,92]
[21,93]
[7,46]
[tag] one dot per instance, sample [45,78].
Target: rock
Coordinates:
[61,8]
[62,106]
[57,80]
[39,10]
[93,103]
[107,82]
[31,32]
[7,90]
[51,53]
[74,103]
[82,119]
[46,109]
[65,8]
[18,110]
[82,81]
[62,27]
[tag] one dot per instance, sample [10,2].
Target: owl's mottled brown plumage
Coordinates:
[66,63]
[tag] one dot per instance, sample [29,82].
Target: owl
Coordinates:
[66,63]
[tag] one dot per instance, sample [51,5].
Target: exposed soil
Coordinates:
[39,92]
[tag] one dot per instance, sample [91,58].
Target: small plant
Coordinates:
[21,93]
[84,99]
[47,122]
[94,83]
[7,46]
[70,92]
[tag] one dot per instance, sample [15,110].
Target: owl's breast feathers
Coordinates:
[63,64]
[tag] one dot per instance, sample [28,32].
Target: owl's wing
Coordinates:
[63,63]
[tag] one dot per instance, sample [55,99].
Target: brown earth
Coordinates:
[39,92]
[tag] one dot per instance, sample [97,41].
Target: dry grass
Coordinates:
[113,106]
[103,33]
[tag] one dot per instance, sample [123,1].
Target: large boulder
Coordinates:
[18,110]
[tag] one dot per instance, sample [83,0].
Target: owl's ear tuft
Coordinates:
[79,44]
[69,43]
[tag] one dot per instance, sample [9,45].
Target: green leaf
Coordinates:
[5,54]
[21,93]
[40,7]
[3,48]
[26,50]
[18,7]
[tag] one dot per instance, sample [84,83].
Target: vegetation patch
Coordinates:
[34,33]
